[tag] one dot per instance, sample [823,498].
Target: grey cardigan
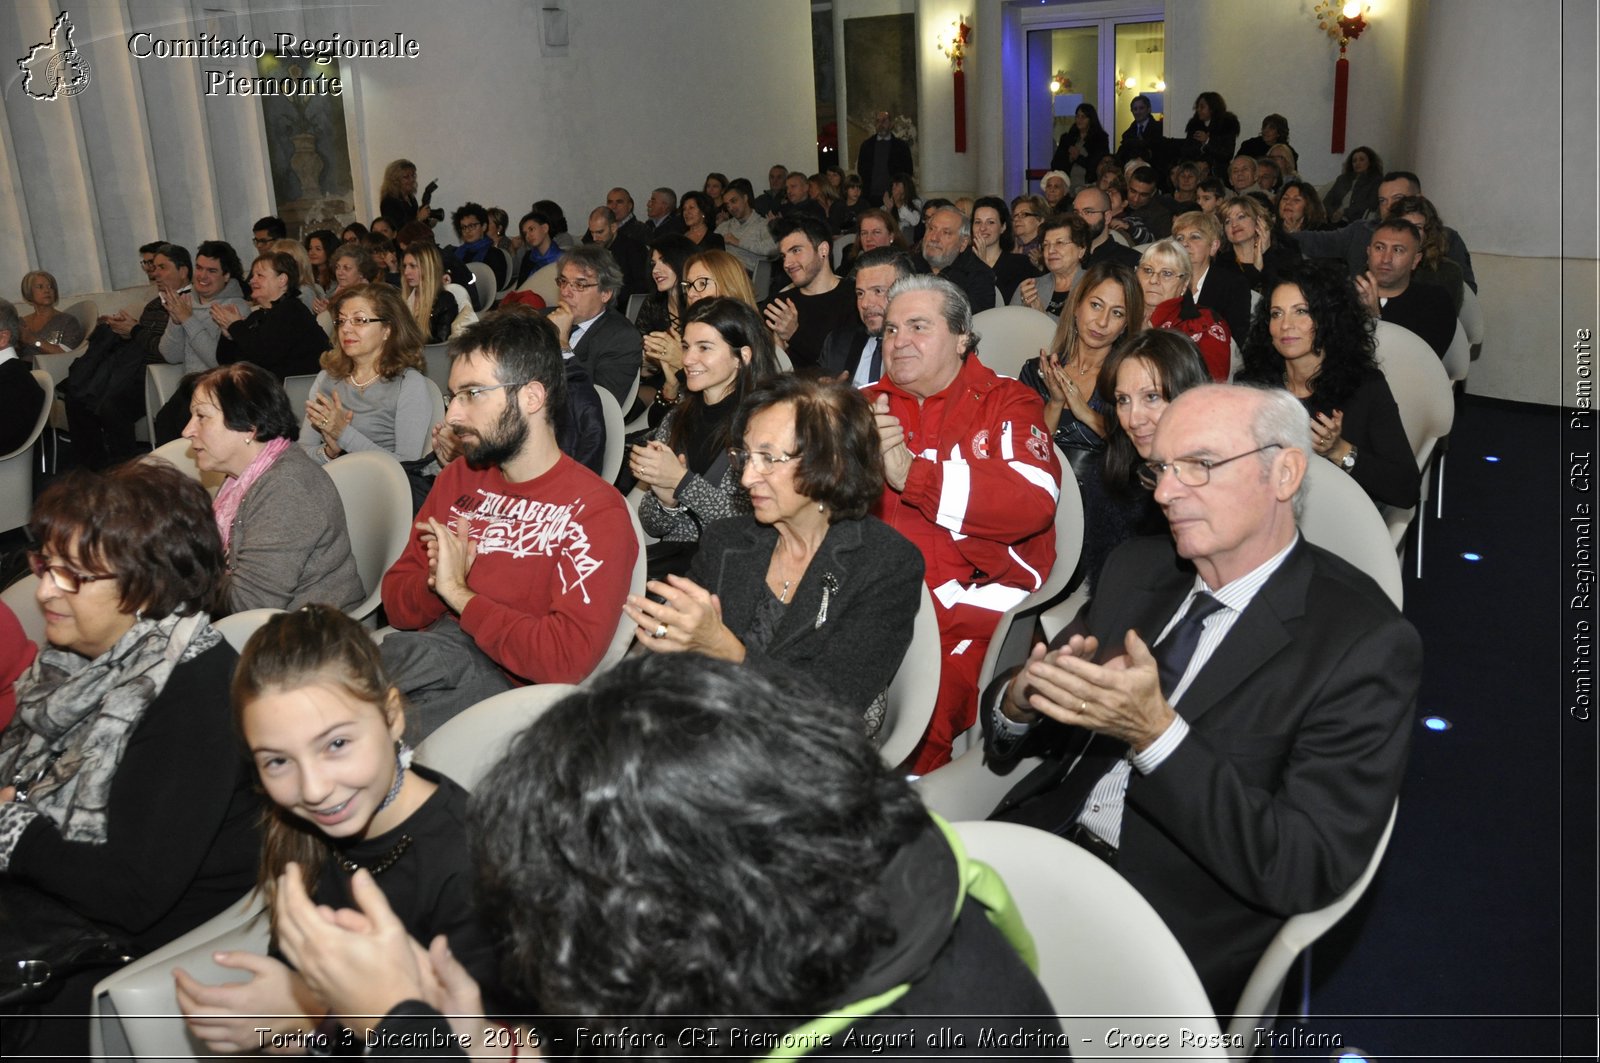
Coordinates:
[700,500]
[289,544]
[849,623]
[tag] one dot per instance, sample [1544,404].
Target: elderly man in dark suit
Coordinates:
[1230,726]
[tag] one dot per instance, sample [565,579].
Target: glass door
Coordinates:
[1103,62]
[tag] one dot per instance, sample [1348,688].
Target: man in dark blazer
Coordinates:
[593,333]
[881,156]
[857,350]
[1243,769]
[1145,132]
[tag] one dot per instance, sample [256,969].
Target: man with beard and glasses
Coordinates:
[521,558]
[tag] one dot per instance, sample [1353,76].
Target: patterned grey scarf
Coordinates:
[74,718]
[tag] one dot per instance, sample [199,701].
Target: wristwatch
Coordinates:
[1348,462]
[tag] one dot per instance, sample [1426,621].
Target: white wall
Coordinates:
[650,93]
[1270,57]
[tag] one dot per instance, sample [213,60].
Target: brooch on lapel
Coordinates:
[830,587]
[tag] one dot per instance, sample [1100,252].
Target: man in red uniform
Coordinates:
[522,557]
[971,479]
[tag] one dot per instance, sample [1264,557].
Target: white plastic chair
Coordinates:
[435,403]
[840,242]
[298,388]
[1472,315]
[1458,356]
[436,365]
[377,511]
[1423,394]
[467,745]
[85,313]
[180,456]
[1341,518]
[483,275]
[635,301]
[135,1010]
[914,688]
[1010,335]
[20,600]
[622,637]
[1013,633]
[238,627]
[611,463]
[16,468]
[785,363]
[160,384]
[1257,1005]
[542,282]
[761,279]
[1106,959]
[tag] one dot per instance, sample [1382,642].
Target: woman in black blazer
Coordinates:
[809,585]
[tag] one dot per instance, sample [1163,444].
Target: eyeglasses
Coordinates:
[261,241]
[147,263]
[358,321]
[1150,274]
[471,394]
[67,580]
[1023,214]
[697,286]
[575,285]
[1086,210]
[471,226]
[1191,472]
[763,461]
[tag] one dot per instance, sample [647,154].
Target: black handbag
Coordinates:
[43,942]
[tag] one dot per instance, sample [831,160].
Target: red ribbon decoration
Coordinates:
[961,110]
[1341,102]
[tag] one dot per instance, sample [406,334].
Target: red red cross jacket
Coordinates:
[980,499]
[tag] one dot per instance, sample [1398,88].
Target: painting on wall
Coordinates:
[307,151]
[880,72]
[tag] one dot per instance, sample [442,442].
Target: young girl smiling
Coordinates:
[323,727]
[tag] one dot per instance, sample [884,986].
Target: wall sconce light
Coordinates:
[954,48]
[1342,23]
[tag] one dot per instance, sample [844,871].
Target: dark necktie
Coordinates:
[1174,652]
[876,369]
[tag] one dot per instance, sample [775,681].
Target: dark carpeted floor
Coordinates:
[1460,937]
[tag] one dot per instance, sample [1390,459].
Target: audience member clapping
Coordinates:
[685,465]
[371,394]
[280,335]
[1312,336]
[809,584]
[580,835]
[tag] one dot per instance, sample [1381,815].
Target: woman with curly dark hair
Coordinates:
[1212,132]
[1358,180]
[647,853]
[1085,144]
[1312,336]
[699,214]
[1437,267]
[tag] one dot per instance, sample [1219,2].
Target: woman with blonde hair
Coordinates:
[312,293]
[371,394]
[397,197]
[1251,249]
[706,275]
[47,329]
[440,310]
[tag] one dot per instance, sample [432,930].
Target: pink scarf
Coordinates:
[232,494]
